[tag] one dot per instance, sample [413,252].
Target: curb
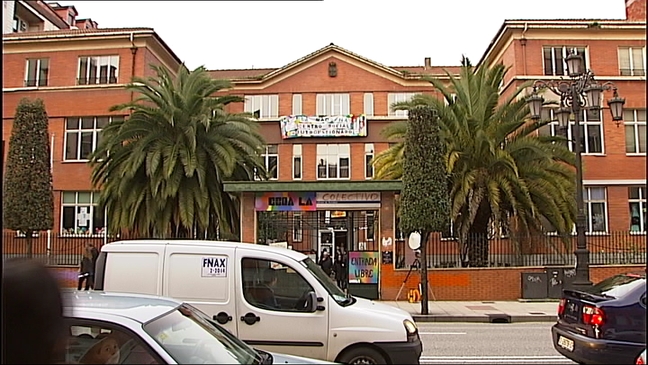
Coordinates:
[487,318]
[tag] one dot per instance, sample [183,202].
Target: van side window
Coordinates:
[274,286]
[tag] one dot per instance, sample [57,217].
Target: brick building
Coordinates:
[321,195]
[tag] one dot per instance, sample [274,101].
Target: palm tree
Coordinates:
[501,172]
[161,170]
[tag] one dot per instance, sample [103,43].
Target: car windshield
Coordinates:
[618,285]
[191,338]
[331,287]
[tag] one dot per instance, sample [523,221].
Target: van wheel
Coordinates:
[362,355]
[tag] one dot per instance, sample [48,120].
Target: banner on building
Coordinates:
[292,201]
[295,126]
[363,267]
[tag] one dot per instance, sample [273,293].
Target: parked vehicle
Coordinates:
[641,360]
[272,298]
[605,324]
[112,328]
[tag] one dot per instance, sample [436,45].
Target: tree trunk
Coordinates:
[28,240]
[478,237]
[424,272]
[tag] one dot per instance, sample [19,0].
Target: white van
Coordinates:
[274,299]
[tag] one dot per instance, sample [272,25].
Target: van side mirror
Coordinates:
[313,301]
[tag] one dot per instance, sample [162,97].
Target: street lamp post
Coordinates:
[578,93]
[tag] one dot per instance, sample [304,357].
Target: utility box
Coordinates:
[534,285]
[558,279]
[554,282]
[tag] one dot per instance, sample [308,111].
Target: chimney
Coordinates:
[427,63]
[635,10]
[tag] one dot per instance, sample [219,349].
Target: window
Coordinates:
[397,98]
[98,70]
[298,232]
[595,209]
[554,59]
[36,72]
[449,231]
[368,104]
[635,130]
[333,161]
[83,135]
[270,158]
[297,162]
[591,130]
[637,199]
[453,97]
[297,104]
[80,215]
[370,224]
[369,155]
[274,286]
[332,104]
[262,106]
[94,342]
[632,61]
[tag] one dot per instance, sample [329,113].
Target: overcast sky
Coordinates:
[269,34]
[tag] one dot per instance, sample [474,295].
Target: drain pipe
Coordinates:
[133,53]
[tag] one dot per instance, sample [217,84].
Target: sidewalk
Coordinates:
[481,311]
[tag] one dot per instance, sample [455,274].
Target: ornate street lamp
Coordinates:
[582,91]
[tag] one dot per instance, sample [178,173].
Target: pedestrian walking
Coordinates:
[86,269]
[326,263]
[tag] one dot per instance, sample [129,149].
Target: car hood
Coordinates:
[290,359]
[364,305]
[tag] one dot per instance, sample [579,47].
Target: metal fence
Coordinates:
[541,250]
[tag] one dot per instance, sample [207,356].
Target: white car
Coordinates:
[113,328]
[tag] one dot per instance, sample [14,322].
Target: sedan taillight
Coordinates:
[593,315]
[640,361]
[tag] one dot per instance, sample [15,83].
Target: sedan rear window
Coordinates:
[617,286]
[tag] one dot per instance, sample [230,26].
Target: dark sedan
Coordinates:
[605,324]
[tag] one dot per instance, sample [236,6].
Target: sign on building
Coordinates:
[341,200]
[291,201]
[295,126]
[363,267]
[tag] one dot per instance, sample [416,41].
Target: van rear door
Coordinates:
[202,276]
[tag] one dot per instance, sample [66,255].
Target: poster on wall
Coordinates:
[363,267]
[295,126]
[292,201]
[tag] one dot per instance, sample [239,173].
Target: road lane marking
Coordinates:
[500,361]
[443,333]
[496,357]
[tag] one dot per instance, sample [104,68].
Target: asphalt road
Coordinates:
[486,343]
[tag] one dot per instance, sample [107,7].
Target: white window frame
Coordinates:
[369,221]
[565,51]
[107,61]
[369,155]
[267,155]
[297,104]
[80,131]
[453,97]
[632,61]
[39,71]
[589,202]
[634,124]
[368,104]
[298,228]
[640,201]
[297,162]
[266,105]
[555,128]
[397,98]
[91,205]
[333,104]
[333,152]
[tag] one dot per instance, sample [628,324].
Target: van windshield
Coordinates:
[191,338]
[331,287]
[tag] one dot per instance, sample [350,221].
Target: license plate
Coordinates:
[566,343]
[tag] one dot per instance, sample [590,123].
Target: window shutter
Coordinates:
[297,104]
[368,104]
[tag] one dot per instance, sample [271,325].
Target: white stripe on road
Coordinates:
[442,333]
[496,357]
[494,360]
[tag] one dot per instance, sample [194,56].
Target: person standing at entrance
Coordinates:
[86,269]
[340,269]
[326,263]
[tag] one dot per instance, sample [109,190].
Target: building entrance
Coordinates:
[332,240]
